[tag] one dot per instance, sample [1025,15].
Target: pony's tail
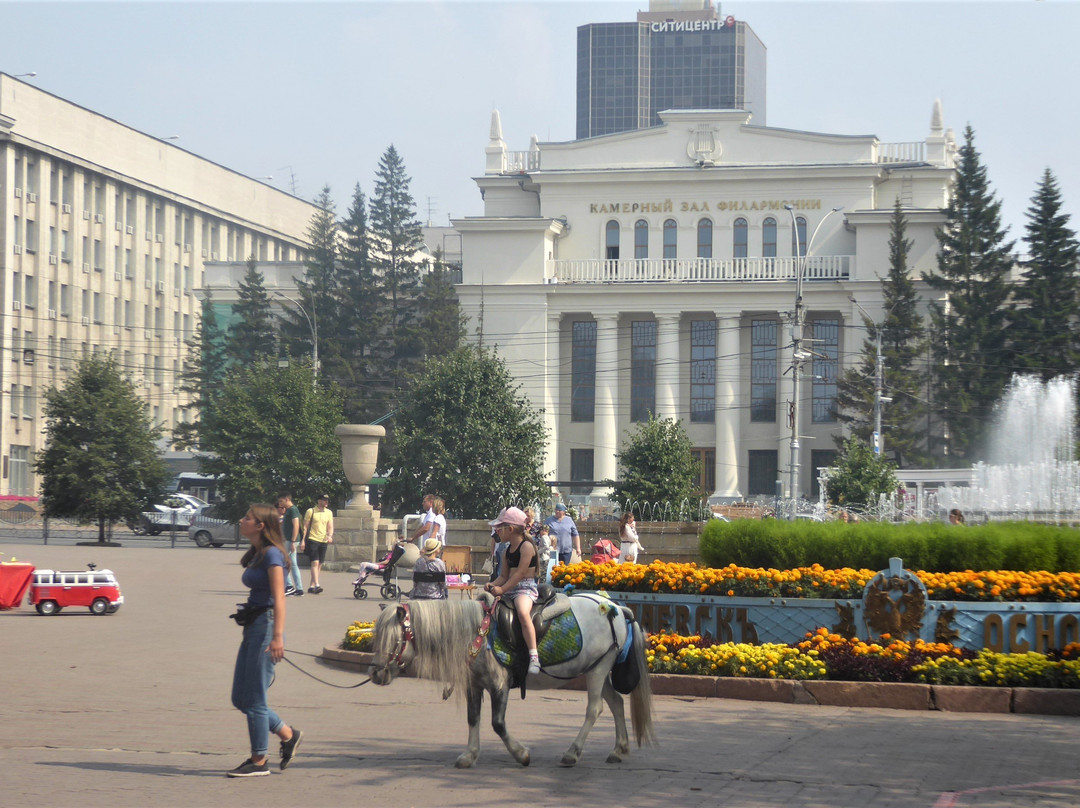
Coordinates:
[641,696]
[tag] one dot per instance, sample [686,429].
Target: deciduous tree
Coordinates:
[465,432]
[100,462]
[860,477]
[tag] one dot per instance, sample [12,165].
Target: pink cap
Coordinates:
[509,516]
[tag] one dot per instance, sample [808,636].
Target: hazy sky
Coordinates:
[317,91]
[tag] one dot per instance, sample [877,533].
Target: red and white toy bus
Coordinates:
[95,589]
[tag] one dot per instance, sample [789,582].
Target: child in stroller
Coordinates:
[389,590]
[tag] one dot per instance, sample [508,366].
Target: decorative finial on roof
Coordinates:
[496,126]
[936,118]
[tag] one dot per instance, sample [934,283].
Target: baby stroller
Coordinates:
[385,568]
[605,551]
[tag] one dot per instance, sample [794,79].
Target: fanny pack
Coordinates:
[246,613]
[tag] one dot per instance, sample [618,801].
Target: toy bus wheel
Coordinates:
[389,591]
[47,607]
[155,531]
[359,592]
[202,538]
[99,606]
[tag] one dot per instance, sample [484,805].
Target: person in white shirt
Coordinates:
[629,544]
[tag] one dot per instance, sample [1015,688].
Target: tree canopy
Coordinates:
[859,477]
[657,466]
[466,434]
[273,430]
[101,462]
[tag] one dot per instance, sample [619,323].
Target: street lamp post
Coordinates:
[313,324]
[798,355]
[879,382]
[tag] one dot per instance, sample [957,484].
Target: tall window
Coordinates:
[740,244]
[798,237]
[581,468]
[642,370]
[583,372]
[704,238]
[706,476]
[702,371]
[826,334]
[611,241]
[762,472]
[671,239]
[768,238]
[763,370]
[641,239]
[19,470]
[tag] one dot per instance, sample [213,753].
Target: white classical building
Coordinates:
[655,271]
[104,231]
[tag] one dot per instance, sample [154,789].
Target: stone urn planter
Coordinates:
[359,456]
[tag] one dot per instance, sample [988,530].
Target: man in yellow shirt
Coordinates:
[318,532]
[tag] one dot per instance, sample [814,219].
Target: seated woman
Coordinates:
[429,573]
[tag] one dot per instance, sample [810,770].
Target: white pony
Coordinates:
[443,640]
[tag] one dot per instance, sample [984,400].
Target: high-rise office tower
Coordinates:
[680,54]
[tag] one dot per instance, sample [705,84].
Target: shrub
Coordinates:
[931,546]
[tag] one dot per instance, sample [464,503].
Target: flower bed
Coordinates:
[828,656]
[812,582]
[359,636]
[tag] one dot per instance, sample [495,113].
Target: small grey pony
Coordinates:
[435,638]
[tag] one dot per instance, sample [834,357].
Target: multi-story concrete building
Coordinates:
[680,54]
[655,271]
[103,234]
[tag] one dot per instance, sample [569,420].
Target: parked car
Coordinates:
[176,510]
[207,529]
[95,589]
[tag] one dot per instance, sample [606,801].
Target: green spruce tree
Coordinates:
[202,375]
[315,291]
[903,346]
[442,323]
[971,362]
[395,239]
[1046,334]
[252,338]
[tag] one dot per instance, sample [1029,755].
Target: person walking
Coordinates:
[565,534]
[427,504]
[290,532]
[438,520]
[318,532]
[263,644]
[629,543]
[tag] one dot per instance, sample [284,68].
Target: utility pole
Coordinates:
[798,355]
[879,382]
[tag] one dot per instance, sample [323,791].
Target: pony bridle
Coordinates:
[407,636]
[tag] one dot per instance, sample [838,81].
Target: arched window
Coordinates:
[768,238]
[798,247]
[641,239]
[671,236]
[740,238]
[704,238]
[611,241]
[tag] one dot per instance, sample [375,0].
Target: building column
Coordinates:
[552,394]
[785,394]
[667,366]
[605,435]
[729,373]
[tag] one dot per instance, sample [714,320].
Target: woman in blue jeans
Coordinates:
[265,564]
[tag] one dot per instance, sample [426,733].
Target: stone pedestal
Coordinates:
[360,532]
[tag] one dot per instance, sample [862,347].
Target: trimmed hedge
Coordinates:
[930,546]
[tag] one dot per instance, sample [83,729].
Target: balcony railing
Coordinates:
[518,162]
[910,152]
[685,270]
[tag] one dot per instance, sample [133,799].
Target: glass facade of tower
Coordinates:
[630,72]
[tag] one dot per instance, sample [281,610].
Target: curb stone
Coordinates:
[879,695]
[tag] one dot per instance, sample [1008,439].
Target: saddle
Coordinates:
[550,604]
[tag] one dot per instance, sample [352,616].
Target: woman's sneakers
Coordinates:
[289,747]
[534,663]
[249,769]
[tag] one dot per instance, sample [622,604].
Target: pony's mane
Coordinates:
[443,630]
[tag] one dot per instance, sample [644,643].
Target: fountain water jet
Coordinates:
[1032,474]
